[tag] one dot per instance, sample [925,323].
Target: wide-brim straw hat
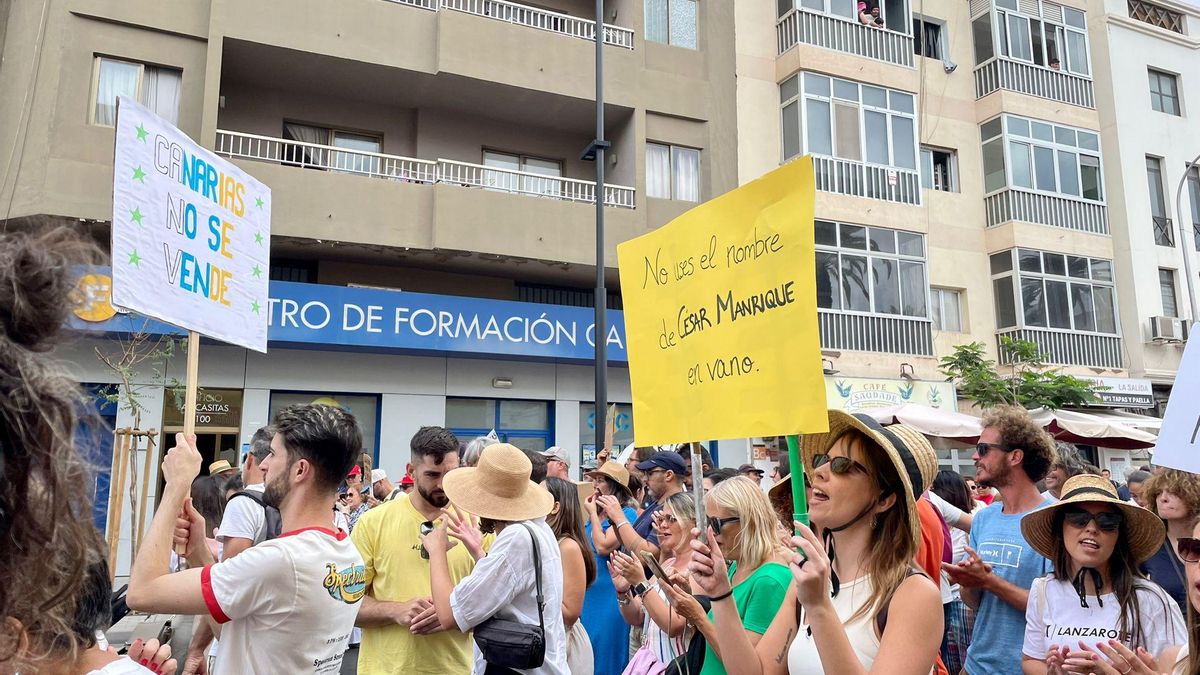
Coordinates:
[908,450]
[1144,532]
[498,488]
[614,471]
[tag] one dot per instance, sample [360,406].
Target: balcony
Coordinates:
[1054,210]
[859,179]
[1070,348]
[875,333]
[843,35]
[532,17]
[236,145]
[1026,78]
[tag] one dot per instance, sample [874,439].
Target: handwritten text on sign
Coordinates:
[720,316]
[191,233]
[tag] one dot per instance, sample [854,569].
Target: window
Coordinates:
[939,169]
[156,88]
[894,13]
[1193,183]
[927,38]
[622,428]
[945,308]
[1053,290]
[848,120]
[326,158]
[672,172]
[1034,155]
[525,424]
[1166,286]
[1043,34]
[870,269]
[524,184]
[1163,230]
[1155,15]
[1164,92]
[672,22]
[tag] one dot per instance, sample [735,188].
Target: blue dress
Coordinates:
[602,616]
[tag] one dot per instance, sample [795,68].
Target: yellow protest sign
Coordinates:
[721,317]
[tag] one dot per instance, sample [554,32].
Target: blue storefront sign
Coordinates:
[316,315]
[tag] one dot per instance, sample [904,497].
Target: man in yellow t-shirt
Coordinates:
[398,621]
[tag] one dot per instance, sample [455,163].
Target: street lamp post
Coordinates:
[1187,243]
[595,152]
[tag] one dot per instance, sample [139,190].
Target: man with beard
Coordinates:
[287,604]
[401,633]
[1013,454]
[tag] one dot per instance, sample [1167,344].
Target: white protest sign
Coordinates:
[191,233]
[1179,439]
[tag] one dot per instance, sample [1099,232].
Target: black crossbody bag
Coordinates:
[512,644]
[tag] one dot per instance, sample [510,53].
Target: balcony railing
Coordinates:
[533,17]
[1025,78]
[1070,348]
[1035,207]
[859,179]
[238,145]
[843,35]
[1164,231]
[875,333]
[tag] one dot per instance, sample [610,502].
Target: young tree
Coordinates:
[1029,382]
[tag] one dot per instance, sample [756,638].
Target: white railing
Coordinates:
[875,333]
[541,19]
[1035,207]
[238,145]
[1070,348]
[859,179]
[1025,78]
[431,5]
[843,35]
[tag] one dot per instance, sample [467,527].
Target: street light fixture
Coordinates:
[595,153]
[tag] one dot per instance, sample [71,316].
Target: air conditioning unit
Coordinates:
[1167,329]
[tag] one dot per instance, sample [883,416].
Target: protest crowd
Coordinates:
[482,557]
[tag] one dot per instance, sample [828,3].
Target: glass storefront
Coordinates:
[622,430]
[525,424]
[364,408]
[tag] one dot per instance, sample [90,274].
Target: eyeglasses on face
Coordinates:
[838,465]
[718,523]
[984,448]
[1106,521]
[667,519]
[1189,549]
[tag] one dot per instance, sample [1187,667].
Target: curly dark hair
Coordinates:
[47,539]
[1019,432]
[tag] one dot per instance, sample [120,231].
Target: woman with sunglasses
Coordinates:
[858,604]
[1096,595]
[741,519]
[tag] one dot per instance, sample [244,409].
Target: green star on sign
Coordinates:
[136,216]
[257,272]
[135,259]
[142,133]
[258,202]
[258,238]
[254,307]
[139,175]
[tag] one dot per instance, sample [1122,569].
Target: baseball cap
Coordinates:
[555,452]
[356,471]
[378,475]
[407,480]
[747,468]
[671,461]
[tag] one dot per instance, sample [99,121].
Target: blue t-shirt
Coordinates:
[1000,627]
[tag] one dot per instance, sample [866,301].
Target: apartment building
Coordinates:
[967,173]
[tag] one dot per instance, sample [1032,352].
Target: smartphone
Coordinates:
[426,528]
[698,492]
[650,561]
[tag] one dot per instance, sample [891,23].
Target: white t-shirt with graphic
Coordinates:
[1060,619]
[288,604]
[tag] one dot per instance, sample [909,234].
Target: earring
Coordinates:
[874,522]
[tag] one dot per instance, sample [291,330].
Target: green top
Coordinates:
[758,599]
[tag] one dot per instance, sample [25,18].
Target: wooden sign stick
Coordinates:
[189,397]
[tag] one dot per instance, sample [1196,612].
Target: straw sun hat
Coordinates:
[908,449]
[1144,532]
[498,488]
[612,470]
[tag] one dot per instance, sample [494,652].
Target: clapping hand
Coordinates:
[619,581]
[972,573]
[628,567]
[1111,658]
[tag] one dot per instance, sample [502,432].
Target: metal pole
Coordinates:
[1187,243]
[601,300]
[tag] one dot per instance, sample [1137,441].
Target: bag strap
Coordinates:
[537,574]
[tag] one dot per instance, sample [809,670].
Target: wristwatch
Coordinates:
[639,590]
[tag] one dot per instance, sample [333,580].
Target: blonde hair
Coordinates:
[758,540]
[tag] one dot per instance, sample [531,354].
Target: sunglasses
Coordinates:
[838,465]
[984,448]
[1106,521]
[717,523]
[1189,549]
[667,519]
